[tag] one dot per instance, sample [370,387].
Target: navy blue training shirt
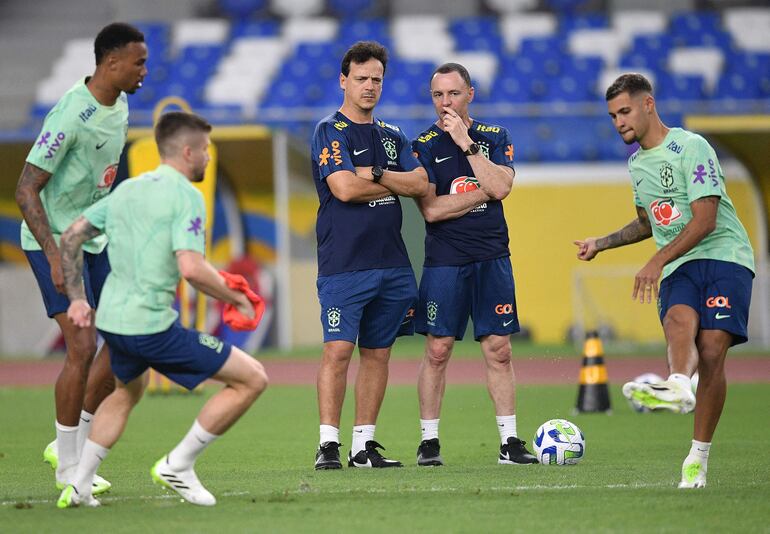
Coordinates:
[354,236]
[482,233]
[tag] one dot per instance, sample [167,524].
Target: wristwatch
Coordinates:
[472,149]
[377,173]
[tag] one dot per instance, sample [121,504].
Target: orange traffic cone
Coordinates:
[593,395]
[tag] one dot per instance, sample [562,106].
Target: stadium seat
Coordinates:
[590,21]
[697,61]
[421,38]
[511,6]
[188,32]
[254,28]
[680,87]
[478,33]
[240,9]
[353,9]
[631,24]
[309,30]
[517,27]
[749,27]
[604,43]
[297,8]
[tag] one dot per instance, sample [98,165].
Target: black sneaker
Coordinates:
[515,452]
[371,457]
[328,456]
[428,452]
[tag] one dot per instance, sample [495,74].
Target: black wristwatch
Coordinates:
[377,173]
[472,149]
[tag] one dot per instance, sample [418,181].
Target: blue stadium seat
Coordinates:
[352,30]
[239,9]
[679,87]
[351,8]
[588,21]
[254,28]
[734,85]
[477,33]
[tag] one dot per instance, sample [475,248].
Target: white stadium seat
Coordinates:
[297,8]
[603,43]
[749,27]
[701,61]
[629,24]
[422,38]
[199,32]
[310,30]
[516,27]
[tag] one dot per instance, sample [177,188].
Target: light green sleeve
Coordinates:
[189,228]
[96,214]
[701,170]
[57,137]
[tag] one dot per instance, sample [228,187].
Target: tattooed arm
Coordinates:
[637,230]
[32,180]
[72,241]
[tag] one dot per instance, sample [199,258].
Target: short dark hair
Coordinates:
[115,36]
[446,68]
[363,51]
[174,123]
[631,83]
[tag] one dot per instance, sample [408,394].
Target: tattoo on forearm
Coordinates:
[635,231]
[72,257]
[31,182]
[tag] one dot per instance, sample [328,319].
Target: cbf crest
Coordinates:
[666,175]
[333,316]
[390,148]
[484,148]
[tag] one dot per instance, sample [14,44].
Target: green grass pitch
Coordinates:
[262,474]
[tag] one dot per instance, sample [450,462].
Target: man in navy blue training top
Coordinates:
[366,285]
[467,268]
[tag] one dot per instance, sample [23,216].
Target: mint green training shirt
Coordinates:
[80,145]
[146,220]
[667,178]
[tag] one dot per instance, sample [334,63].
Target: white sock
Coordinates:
[84,427]
[700,450]
[429,428]
[506,425]
[682,380]
[329,433]
[361,434]
[183,456]
[90,460]
[67,445]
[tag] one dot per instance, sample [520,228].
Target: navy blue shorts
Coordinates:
[373,306]
[720,291]
[96,267]
[483,291]
[187,357]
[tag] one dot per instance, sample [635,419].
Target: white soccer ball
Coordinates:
[559,442]
[645,378]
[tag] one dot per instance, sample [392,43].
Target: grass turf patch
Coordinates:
[262,471]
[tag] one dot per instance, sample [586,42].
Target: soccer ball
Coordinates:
[646,378]
[559,442]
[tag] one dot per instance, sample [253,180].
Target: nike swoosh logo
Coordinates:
[720,316]
[100,145]
[505,456]
[357,152]
[359,431]
[367,464]
[439,160]
[639,181]
[506,323]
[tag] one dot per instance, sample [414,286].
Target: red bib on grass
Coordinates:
[230,314]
